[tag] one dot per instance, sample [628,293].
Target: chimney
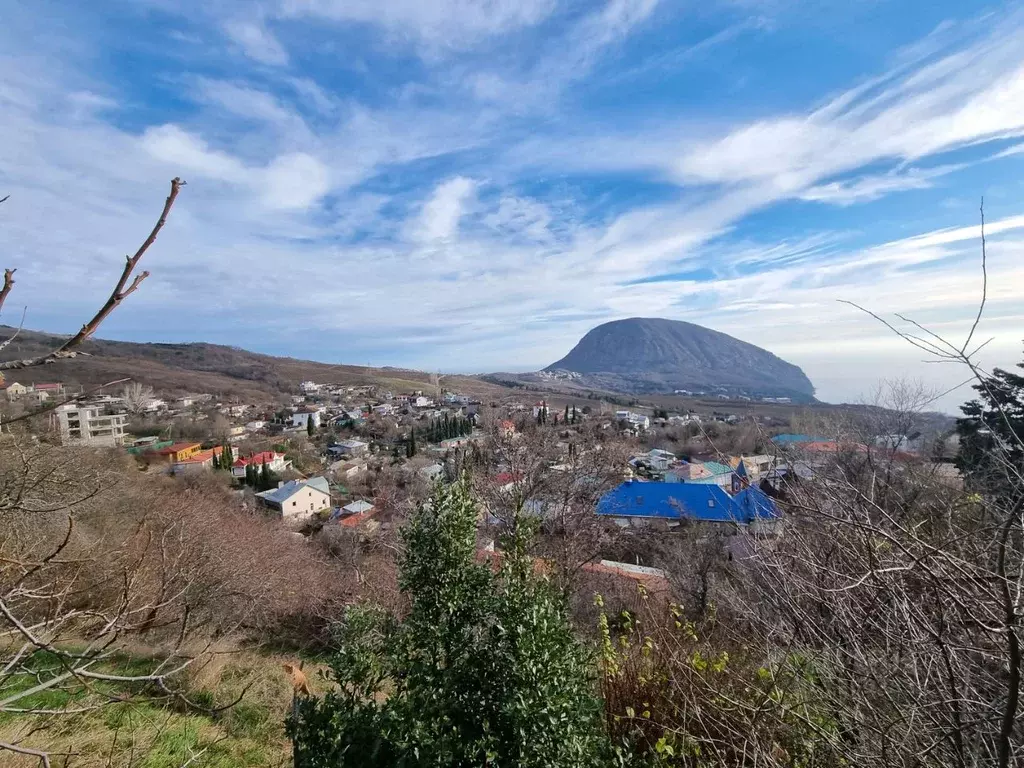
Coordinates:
[280,483]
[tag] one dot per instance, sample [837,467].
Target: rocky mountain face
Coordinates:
[652,355]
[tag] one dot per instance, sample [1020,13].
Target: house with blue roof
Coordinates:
[298,499]
[635,502]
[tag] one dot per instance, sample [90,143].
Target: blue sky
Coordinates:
[470,186]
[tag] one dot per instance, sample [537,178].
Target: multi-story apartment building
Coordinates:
[89,425]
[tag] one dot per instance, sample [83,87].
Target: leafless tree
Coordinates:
[905,597]
[121,291]
[136,397]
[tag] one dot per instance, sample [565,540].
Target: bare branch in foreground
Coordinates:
[44,757]
[121,291]
[8,282]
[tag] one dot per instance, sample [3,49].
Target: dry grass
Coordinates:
[162,734]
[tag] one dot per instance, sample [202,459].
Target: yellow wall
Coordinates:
[187,453]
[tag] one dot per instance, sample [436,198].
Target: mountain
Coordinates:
[227,372]
[647,355]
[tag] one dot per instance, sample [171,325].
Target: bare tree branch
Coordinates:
[44,757]
[3,344]
[984,282]
[121,291]
[8,282]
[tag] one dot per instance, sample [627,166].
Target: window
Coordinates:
[711,503]
[293,503]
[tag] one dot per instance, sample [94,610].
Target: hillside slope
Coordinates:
[224,371]
[647,355]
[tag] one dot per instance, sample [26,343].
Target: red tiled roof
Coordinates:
[351,521]
[203,456]
[256,458]
[654,582]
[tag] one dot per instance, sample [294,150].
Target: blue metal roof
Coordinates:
[672,501]
[289,489]
[755,503]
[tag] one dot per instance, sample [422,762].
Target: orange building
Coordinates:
[177,452]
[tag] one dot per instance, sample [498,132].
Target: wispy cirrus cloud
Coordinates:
[484,188]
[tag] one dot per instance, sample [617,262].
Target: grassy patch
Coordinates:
[160,733]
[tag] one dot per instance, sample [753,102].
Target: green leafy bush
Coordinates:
[483,670]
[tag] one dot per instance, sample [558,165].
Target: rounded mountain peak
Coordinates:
[657,354]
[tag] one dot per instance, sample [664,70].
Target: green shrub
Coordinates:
[483,670]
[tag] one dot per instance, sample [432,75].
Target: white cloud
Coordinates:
[440,215]
[290,181]
[867,188]
[256,41]
[521,217]
[282,171]
[439,24]
[294,181]
[181,149]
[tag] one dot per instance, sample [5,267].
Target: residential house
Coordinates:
[54,390]
[507,428]
[275,462]
[354,416]
[636,502]
[710,473]
[351,515]
[349,448]
[756,465]
[236,433]
[154,404]
[89,425]
[37,396]
[302,418]
[309,388]
[422,402]
[298,499]
[685,418]
[346,469]
[541,408]
[634,420]
[175,452]
[15,390]
[657,459]
[197,462]
[384,409]
[255,425]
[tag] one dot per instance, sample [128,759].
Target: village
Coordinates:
[360,457]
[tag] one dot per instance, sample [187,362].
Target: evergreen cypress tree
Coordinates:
[264,481]
[216,461]
[227,458]
[310,426]
[566,419]
[250,475]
